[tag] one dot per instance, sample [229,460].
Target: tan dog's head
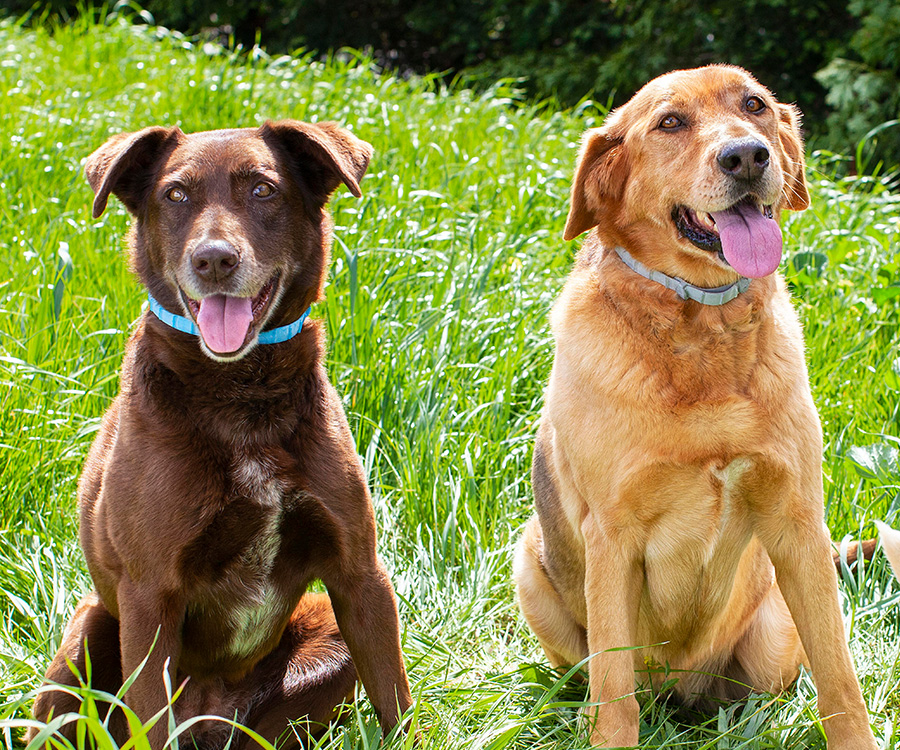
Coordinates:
[690,175]
[230,226]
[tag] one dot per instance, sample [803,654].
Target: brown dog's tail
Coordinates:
[855,550]
[890,543]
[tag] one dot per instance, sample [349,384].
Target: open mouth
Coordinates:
[227,324]
[745,236]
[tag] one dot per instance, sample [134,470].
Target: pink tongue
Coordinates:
[751,242]
[224,322]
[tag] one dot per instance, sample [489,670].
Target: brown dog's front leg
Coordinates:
[366,614]
[801,553]
[612,589]
[141,614]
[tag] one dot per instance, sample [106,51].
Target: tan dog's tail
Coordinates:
[890,543]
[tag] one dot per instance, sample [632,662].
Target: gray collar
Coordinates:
[717,296]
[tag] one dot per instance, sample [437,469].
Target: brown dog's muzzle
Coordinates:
[745,159]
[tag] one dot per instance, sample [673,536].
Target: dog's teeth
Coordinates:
[705,220]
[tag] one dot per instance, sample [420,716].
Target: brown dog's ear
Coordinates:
[792,150]
[123,164]
[599,177]
[323,154]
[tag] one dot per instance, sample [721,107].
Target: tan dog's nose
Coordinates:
[744,158]
[215,260]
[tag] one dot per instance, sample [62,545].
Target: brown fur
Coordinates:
[217,491]
[677,471]
[855,551]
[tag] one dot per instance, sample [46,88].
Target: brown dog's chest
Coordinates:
[246,569]
[208,502]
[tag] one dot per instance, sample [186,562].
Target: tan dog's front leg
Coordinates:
[141,614]
[612,587]
[801,552]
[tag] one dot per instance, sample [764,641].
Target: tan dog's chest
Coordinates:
[695,540]
[687,522]
[664,469]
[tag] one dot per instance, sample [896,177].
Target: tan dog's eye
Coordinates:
[263,190]
[176,195]
[754,105]
[670,122]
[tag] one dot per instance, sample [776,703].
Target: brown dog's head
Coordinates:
[230,225]
[691,175]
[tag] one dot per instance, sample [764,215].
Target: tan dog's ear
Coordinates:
[797,196]
[599,177]
[123,164]
[323,154]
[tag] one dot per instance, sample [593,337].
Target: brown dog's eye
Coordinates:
[755,105]
[670,122]
[263,190]
[176,195]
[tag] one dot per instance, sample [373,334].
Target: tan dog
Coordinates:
[224,479]
[677,470]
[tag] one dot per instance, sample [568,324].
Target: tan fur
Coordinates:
[677,468]
[890,540]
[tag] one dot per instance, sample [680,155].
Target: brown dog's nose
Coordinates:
[744,158]
[215,260]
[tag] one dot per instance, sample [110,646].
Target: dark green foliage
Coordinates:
[837,59]
[864,83]
[583,47]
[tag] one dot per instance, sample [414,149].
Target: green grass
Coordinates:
[437,312]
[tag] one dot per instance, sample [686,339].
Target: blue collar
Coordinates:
[185,325]
[705,296]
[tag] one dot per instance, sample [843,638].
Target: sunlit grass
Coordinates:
[437,311]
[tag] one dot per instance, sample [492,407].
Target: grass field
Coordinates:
[437,306]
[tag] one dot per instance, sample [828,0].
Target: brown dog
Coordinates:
[677,470]
[224,478]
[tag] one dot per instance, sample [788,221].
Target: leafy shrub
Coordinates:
[567,48]
[570,49]
[864,82]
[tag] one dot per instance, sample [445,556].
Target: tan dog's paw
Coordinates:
[863,743]
[608,725]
